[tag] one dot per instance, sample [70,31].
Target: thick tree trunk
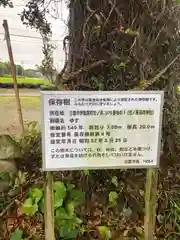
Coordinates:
[136,40]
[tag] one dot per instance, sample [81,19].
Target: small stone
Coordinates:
[7,166]
[4,185]
[9,148]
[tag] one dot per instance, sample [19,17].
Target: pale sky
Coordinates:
[28,51]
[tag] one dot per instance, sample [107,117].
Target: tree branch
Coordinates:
[149,83]
[65,79]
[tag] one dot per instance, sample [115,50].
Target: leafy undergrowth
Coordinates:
[112,207]
[107,204]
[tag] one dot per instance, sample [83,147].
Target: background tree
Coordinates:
[19,70]
[6,3]
[5,68]
[36,17]
[2,69]
[47,65]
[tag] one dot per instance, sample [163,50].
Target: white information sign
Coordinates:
[98,130]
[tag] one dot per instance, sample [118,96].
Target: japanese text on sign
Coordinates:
[89,130]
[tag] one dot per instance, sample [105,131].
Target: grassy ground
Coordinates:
[9,80]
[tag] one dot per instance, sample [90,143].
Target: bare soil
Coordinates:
[9,123]
[9,119]
[22,92]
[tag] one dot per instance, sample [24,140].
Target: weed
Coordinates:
[66,199]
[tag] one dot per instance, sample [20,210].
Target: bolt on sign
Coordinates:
[98,130]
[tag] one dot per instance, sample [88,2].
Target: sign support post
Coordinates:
[49,207]
[150,203]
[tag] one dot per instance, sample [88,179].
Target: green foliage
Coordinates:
[47,66]
[9,80]
[17,234]
[131,32]
[34,16]
[67,222]
[47,86]
[70,186]
[66,199]
[98,83]
[114,181]
[18,179]
[113,196]
[5,71]
[36,194]
[105,232]
[5,176]
[119,66]
[173,216]
[30,144]
[19,70]
[6,3]
[29,207]
[2,69]
[59,194]
[77,196]
[86,172]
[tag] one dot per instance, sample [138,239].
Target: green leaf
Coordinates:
[70,186]
[41,205]
[73,234]
[78,221]
[58,201]
[77,196]
[100,86]
[86,172]
[104,232]
[119,66]
[131,32]
[17,234]
[70,208]
[29,208]
[178,1]
[114,181]
[60,193]
[36,194]
[113,197]
[60,188]
[65,233]
[61,214]
[122,65]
